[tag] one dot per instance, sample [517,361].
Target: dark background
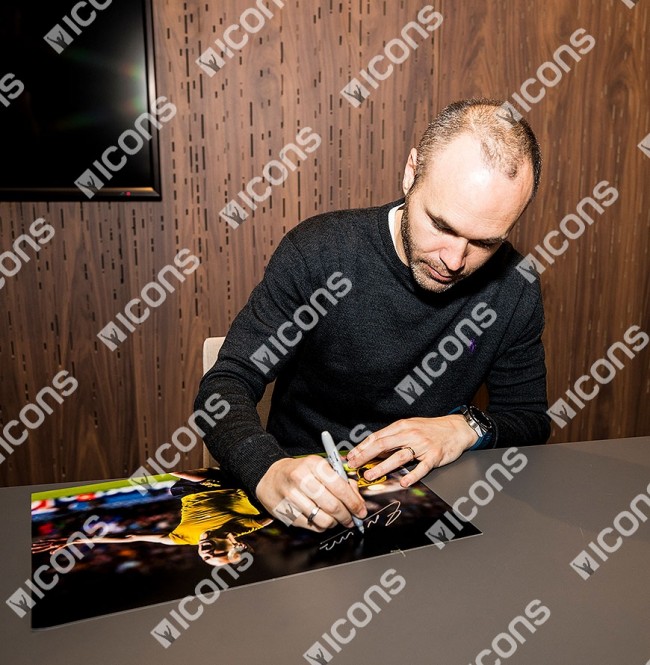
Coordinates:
[76,103]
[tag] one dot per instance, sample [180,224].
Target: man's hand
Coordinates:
[434,441]
[293,488]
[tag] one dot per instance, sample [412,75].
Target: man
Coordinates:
[392,317]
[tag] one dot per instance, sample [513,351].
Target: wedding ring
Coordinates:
[411,449]
[314,512]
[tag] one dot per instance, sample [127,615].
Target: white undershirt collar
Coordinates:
[392,221]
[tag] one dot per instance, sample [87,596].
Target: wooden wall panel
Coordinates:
[230,125]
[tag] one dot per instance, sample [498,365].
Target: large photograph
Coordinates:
[121,545]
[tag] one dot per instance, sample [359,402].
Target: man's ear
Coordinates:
[409,170]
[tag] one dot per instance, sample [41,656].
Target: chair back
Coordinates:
[211,348]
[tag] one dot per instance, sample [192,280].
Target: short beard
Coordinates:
[422,280]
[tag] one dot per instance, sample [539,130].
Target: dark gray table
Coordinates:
[456,601]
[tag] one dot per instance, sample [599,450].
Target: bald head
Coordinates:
[506,145]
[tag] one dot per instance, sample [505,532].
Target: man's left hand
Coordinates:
[433,441]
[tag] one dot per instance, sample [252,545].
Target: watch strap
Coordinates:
[483,440]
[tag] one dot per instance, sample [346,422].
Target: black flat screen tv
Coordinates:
[76,82]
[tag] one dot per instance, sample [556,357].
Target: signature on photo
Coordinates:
[384,517]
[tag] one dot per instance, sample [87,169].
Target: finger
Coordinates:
[333,506]
[307,482]
[398,459]
[305,506]
[354,501]
[343,489]
[365,452]
[416,474]
[320,521]
[380,443]
[398,427]
[320,486]
[302,523]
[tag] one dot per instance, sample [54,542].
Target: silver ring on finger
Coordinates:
[310,518]
[412,451]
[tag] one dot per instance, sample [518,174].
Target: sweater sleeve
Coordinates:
[238,441]
[516,386]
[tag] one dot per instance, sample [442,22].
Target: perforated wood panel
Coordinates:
[230,125]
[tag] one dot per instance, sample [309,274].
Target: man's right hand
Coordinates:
[293,488]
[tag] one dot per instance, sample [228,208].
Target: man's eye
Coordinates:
[485,245]
[439,228]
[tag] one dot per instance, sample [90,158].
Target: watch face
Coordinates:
[480,418]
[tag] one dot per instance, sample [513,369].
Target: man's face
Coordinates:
[218,551]
[458,214]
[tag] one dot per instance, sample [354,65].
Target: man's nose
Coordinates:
[453,255]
